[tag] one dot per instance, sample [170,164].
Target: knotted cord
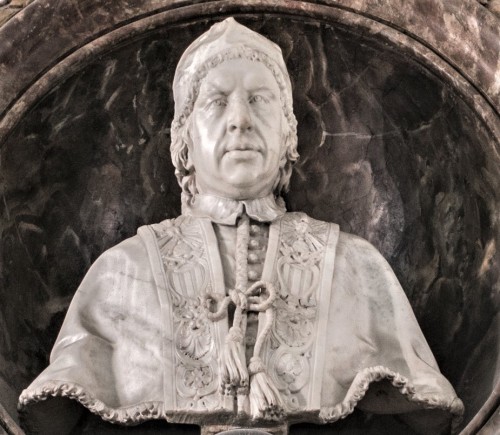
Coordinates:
[265,399]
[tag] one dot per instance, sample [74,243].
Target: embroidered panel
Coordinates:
[289,351]
[290,348]
[187,271]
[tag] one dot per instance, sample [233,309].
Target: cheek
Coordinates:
[200,123]
[199,141]
[211,134]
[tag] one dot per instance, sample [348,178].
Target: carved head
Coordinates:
[234,133]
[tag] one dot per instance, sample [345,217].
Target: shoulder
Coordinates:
[364,270]
[128,257]
[130,247]
[136,249]
[359,253]
[354,255]
[168,227]
[353,246]
[296,218]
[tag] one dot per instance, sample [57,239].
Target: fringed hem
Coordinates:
[362,382]
[154,410]
[130,415]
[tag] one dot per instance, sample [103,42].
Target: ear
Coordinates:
[189,161]
[282,161]
[285,137]
[186,137]
[283,151]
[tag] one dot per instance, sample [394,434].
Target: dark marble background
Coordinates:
[388,151]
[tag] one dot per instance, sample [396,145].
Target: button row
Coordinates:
[253,244]
[253,275]
[254,230]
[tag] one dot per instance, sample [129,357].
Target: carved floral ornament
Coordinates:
[287,335]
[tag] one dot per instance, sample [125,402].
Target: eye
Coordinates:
[257,99]
[218,102]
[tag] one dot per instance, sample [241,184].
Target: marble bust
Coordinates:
[238,312]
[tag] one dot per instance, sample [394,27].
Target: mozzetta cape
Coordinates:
[137,344]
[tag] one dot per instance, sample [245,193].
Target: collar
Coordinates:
[226,211]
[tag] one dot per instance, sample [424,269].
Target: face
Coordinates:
[236,131]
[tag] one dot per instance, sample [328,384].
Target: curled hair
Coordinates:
[184,168]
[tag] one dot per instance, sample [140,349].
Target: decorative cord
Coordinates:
[265,399]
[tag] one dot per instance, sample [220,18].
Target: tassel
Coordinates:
[234,374]
[265,399]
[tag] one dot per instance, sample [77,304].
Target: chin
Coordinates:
[247,189]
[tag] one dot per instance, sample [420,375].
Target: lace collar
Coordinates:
[226,211]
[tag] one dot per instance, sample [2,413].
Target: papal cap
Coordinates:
[224,41]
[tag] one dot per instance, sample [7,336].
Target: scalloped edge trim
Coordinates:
[130,415]
[136,414]
[365,377]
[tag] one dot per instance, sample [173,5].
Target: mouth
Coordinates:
[241,155]
[241,151]
[242,147]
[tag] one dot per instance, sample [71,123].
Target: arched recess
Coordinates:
[451,50]
[73,34]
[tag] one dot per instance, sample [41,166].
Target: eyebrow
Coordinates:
[262,88]
[214,88]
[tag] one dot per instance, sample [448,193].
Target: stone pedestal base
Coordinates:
[234,430]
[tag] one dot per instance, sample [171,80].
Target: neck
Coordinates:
[227,210]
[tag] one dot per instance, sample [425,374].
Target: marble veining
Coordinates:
[387,151]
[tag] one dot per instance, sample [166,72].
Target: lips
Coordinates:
[242,154]
[242,148]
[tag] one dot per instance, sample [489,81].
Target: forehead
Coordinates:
[239,73]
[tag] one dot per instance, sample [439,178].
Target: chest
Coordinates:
[295,254]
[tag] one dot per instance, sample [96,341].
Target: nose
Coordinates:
[240,119]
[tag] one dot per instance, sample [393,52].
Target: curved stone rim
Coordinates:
[361,17]
[423,25]
[364,18]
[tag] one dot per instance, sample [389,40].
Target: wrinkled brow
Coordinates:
[262,88]
[216,87]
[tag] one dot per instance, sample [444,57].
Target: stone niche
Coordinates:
[399,142]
